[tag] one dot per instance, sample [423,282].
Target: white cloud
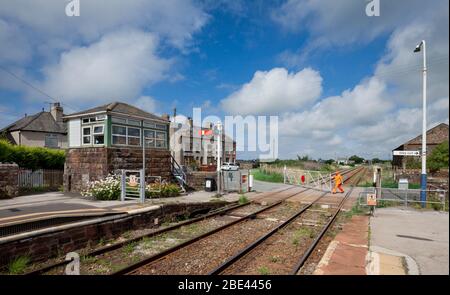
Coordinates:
[14,46]
[361,105]
[335,25]
[117,67]
[275,91]
[400,126]
[346,22]
[111,51]
[383,110]
[176,20]
[147,103]
[401,68]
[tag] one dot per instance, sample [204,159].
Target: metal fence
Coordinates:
[436,199]
[40,178]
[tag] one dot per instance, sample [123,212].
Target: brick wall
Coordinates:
[48,245]
[435,136]
[88,164]
[157,161]
[9,186]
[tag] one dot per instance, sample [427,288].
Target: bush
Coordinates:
[163,190]
[32,157]
[18,265]
[243,199]
[438,158]
[109,189]
[106,189]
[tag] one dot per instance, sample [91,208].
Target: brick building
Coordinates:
[108,138]
[435,136]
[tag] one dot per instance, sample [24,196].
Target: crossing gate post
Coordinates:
[142,183]
[331,186]
[122,185]
[284,174]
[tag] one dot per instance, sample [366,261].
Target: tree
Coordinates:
[376,160]
[356,159]
[304,158]
[329,162]
[439,157]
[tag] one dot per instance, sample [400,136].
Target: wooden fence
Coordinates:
[40,178]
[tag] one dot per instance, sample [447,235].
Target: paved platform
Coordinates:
[402,242]
[346,254]
[419,238]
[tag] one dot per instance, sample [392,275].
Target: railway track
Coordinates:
[247,216]
[242,211]
[306,227]
[233,241]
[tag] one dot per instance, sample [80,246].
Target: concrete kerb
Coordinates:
[373,266]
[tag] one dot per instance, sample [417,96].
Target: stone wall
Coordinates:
[88,164]
[48,245]
[83,165]
[196,180]
[9,185]
[157,161]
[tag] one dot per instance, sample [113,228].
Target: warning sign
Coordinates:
[133,181]
[371,199]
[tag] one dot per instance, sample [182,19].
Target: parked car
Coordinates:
[229,167]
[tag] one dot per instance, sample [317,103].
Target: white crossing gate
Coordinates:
[132,185]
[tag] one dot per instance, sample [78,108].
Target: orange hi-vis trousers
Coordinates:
[338,186]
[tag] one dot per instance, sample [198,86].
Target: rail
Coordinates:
[316,241]
[269,234]
[118,245]
[130,268]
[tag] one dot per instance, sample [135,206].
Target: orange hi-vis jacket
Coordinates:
[338,179]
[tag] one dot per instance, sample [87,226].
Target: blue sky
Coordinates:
[340,82]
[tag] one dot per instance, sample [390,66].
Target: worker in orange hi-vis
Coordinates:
[338,180]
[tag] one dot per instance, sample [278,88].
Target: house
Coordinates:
[343,161]
[435,136]
[44,129]
[108,138]
[197,145]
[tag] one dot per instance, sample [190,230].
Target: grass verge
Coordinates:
[272,177]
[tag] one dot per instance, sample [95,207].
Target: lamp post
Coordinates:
[423,178]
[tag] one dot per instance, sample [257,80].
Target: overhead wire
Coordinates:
[35,88]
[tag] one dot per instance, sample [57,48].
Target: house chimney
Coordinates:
[165,117]
[57,112]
